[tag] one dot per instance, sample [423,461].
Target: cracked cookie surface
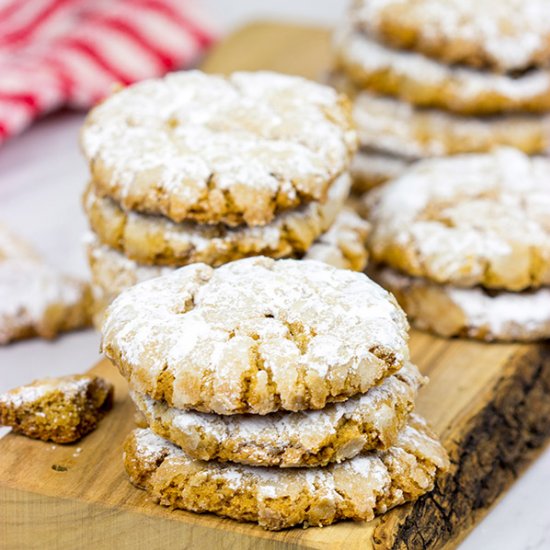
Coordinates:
[467,220]
[307,438]
[213,149]
[159,241]
[359,489]
[255,336]
[499,35]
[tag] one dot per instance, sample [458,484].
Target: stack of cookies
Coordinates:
[464,244]
[433,78]
[275,391]
[201,168]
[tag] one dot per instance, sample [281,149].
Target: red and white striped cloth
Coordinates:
[56,53]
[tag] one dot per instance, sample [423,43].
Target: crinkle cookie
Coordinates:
[344,245]
[255,336]
[470,312]
[359,488]
[159,241]
[36,300]
[307,438]
[62,409]
[401,129]
[371,168]
[501,35]
[480,219]
[214,149]
[424,82]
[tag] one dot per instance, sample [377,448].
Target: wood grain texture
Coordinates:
[490,403]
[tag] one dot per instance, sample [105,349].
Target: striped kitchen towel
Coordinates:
[56,53]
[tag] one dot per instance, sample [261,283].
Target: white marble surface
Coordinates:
[41,178]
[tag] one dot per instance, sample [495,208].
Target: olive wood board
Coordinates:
[489,402]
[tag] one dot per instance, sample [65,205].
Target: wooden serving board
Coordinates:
[490,403]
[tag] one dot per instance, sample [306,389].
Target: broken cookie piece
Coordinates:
[60,409]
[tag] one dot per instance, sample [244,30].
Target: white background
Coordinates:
[41,179]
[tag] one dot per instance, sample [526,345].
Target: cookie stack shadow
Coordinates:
[432,80]
[201,168]
[275,391]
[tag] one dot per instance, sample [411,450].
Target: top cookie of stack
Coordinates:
[235,150]
[205,168]
[436,77]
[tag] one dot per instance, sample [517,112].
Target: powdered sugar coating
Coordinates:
[148,444]
[308,438]
[504,35]
[467,220]
[399,128]
[421,81]
[157,240]
[216,149]
[35,299]
[470,312]
[358,489]
[255,335]
[69,386]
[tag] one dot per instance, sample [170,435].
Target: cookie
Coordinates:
[425,82]
[157,240]
[255,336]
[358,489]
[371,168]
[36,300]
[499,35]
[57,409]
[406,131]
[214,149]
[480,219]
[470,312]
[308,438]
